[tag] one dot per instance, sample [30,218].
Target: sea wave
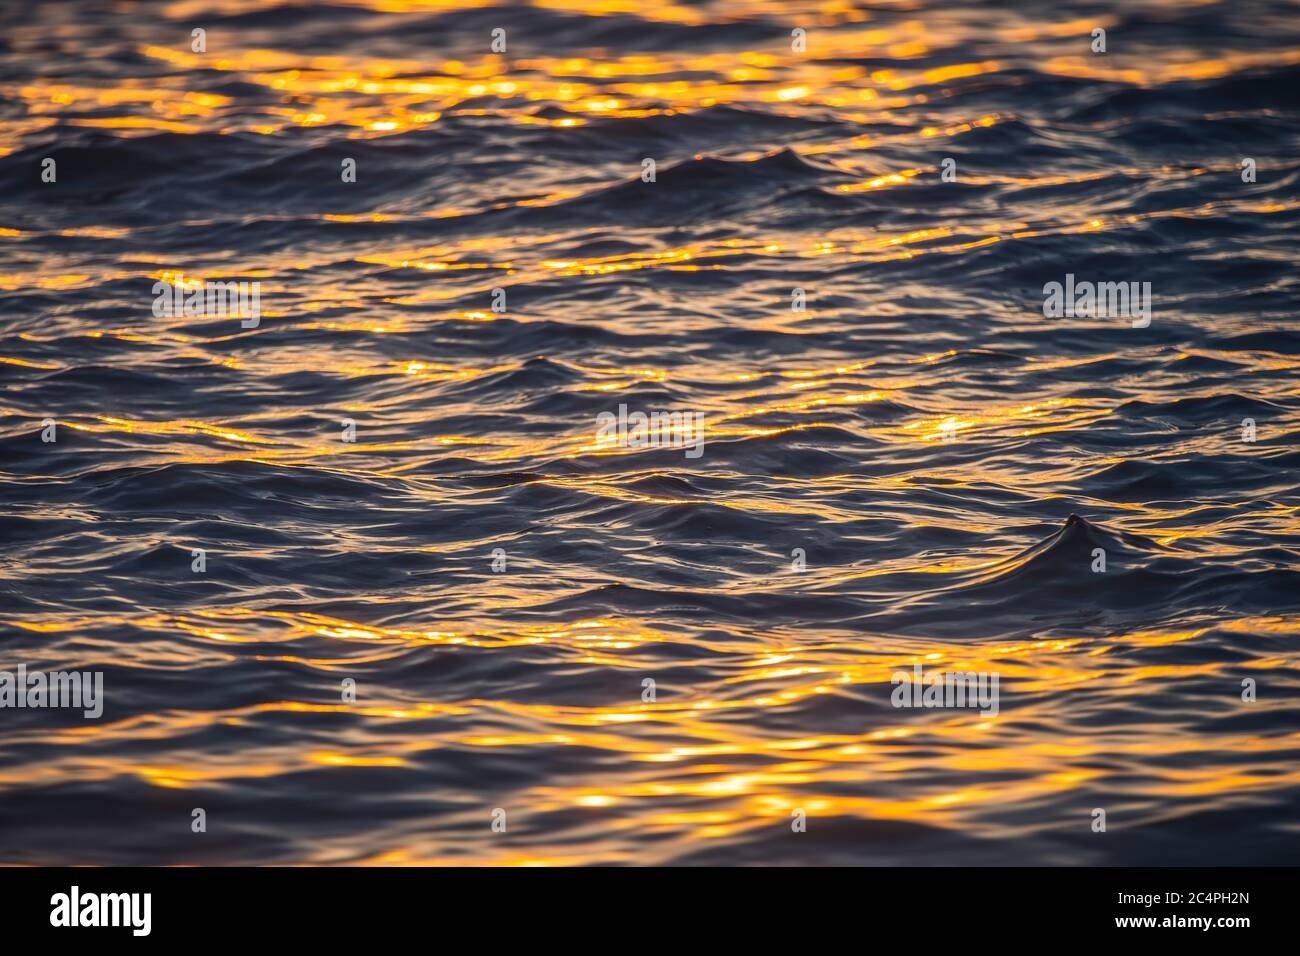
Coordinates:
[903,462]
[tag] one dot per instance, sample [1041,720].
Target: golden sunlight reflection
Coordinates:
[690,746]
[876,417]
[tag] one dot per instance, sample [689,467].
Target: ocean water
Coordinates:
[905,464]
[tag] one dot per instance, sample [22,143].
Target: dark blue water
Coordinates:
[886,477]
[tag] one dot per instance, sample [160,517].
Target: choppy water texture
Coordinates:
[522,690]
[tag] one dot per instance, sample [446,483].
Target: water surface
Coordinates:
[917,438]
